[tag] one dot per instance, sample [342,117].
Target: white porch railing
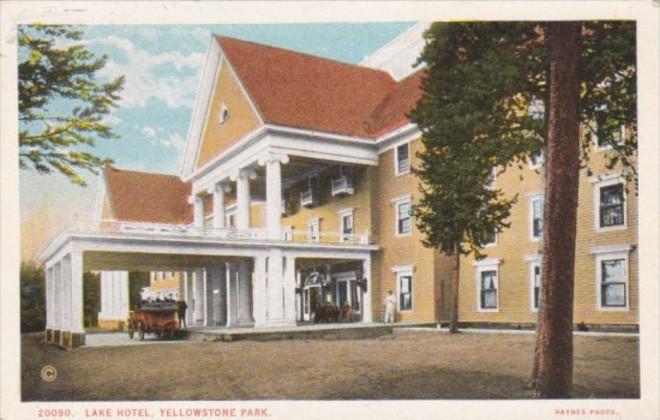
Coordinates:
[161,229]
[327,237]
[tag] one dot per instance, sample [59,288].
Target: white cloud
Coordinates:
[111,119]
[149,132]
[175,141]
[152,75]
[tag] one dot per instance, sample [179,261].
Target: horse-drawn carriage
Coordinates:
[160,318]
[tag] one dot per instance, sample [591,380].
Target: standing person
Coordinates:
[390,306]
[181,311]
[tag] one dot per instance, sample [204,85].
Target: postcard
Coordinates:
[307,210]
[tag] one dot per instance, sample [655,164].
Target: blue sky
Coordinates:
[162,64]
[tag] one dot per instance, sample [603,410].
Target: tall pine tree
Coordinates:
[485,86]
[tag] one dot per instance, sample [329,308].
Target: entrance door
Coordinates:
[348,291]
[342,293]
[311,299]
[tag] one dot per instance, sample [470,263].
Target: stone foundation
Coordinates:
[65,339]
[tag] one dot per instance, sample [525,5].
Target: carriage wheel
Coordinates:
[140,330]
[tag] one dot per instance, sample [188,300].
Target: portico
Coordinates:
[226,282]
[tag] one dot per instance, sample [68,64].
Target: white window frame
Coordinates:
[350,212]
[312,224]
[603,148]
[488,264]
[540,161]
[533,197]
[606,181]
[532,262]
[494,241]
[605,253]
[400,272]
[397,202]
[396,159]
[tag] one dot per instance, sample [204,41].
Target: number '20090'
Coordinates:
[54,412]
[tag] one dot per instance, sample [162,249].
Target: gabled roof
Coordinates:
[391,113]
[304,91]
[147,197]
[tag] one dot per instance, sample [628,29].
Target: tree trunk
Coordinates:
[553,364]
[455,273]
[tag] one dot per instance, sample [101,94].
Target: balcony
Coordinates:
[308,198]
[342,186]
[157,230]
[328,237]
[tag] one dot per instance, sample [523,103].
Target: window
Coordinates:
[535,283]
[403,218]
[536,216]
[611,206]
[402,159]
[612,277]
[346,225]
[617,137]
[490,238]
[487,284]
[404,287]
[224,113]
[313,230]
[488,292]
[613,283]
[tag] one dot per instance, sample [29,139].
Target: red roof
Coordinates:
[147,197]
[391,113]
[304,91]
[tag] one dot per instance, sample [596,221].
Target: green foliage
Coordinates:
[482,111]
[50,77]
[33,301]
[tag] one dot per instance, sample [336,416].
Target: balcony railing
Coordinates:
[328,237]
[308,198]
[342,186]
[160,230]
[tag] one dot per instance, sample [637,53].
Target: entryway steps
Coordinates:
[302,332]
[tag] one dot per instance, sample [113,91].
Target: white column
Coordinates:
[243,198]
[198,211]
[259,291]
[290,290]
[366,302]
[116,294]
[198,290]
[218,206]
[75,264]
[67,294]
[299,310]
[275,288]
[274,199]
[188,291]
[49,298]
[245,293]
[229,319]
[124,298]
[58,314]
[205,296]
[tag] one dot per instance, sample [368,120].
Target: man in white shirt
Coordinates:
[390,307]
